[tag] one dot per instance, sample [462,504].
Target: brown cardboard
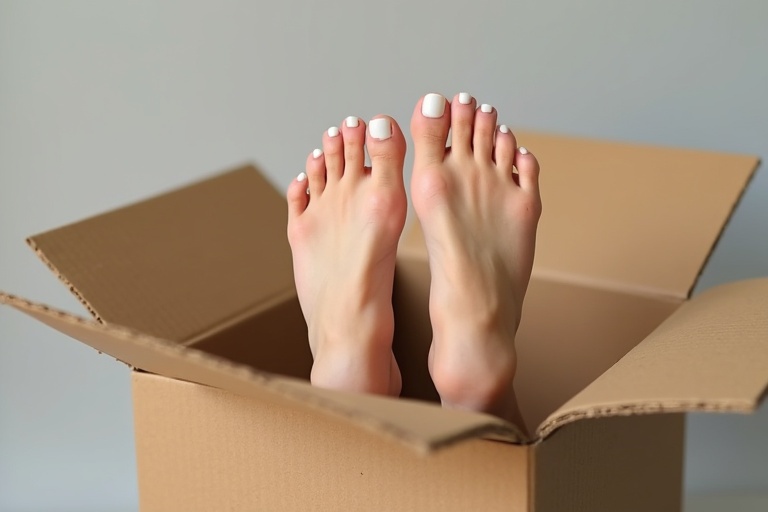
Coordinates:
[421,425]
[639,218]
[550,371]
[203,449]
[691,362]
[627,464]
[182,264]
[193,289]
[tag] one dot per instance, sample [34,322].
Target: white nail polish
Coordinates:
[301,177]
[316,153]
[352,122]
[486,108]
[503,129]
[522,150]
[465,98]
[380,129]
[333,131]
[433,106]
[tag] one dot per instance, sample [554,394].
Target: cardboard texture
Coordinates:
[194,290]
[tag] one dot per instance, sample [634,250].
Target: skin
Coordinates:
[479,219]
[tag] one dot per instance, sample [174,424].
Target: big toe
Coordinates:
[386,148]
[429,127]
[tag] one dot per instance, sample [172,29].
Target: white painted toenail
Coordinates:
[316,153]
[522,150]
[380,129]
[333,131]
[433,106]
[465,98]
[301,177]
[352,122]
[486,108]
[503,129]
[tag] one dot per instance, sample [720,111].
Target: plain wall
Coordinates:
[104,103]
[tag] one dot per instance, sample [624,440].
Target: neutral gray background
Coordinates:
[103,103]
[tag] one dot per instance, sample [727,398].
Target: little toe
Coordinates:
[353,131]
[485,129]
[333,151]
[462,123]
[528,170]
[297,197]
[316,172]
[386,147]
[504,150]
[429,127]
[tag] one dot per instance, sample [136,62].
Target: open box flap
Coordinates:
[643,219]
[182,263]
[422,426]
[710,355]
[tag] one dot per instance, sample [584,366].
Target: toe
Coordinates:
[316,172]
[333,149]
[462,123]
[485,128]
[386,147]
[297,196]
[504,151]
[353,131]
[429,127]
[528,170]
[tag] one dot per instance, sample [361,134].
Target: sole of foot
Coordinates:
[479,204]
[344,223]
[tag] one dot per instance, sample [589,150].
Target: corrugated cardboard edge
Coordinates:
[181,262]
[266,385]
[709,406]
[690,330]
[71,287]
[234,319]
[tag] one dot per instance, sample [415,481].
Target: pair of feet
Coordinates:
[478,203]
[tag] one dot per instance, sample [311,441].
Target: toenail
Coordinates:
[301,177]
[503,129]
[433,105]
[522,150]
[316,153]
[486,108]
[352,122]
[333,131]
[380,128]
[465,98]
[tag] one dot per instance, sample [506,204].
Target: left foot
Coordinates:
[344,224]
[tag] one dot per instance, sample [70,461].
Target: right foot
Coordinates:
[344,223]
[479,219]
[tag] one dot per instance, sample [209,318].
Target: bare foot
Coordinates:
[344,224]
[479,220]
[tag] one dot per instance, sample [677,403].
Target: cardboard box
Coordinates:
[194,291]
